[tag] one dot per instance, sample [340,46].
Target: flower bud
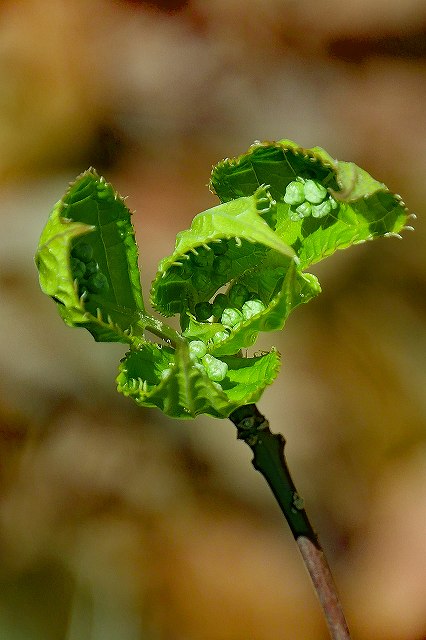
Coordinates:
[304,210]
[203,311]
[219,304]
[78,268]
[238,295]
[321,210]
[220,336]
[83,251]
[216,369]
[314,191]
[231,317]
[252,308]
[197,349]
[98,283]
[294,193]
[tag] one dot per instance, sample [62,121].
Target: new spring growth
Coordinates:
[240,304]
[231,317]
[239,270]
[86,270]
[215,369]
[308,197]
[252,308]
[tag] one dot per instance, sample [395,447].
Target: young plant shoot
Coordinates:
[239,270]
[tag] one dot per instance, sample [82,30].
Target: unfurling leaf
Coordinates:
[87,260]
[231,245]
[157,376]
[236,272]
[344,204]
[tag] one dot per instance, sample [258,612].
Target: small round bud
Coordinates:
[83,251]
[220,336]
[203,311]
[222,264]
[321,210]
[98,283]
[252,308]
[91,268]
[231,317]
[78,268]
[197,349]
[216,369]
[304,210]
[238,295]
[219,304]
[314,191]
[294,193]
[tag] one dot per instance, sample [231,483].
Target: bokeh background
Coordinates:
[117,523]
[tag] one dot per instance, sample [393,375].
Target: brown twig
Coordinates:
[269,460]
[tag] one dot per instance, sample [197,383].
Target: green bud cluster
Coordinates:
[238,295]
[231,318]
[197,349]
[216,369]
[220,336]
[243,305]
[199,264]
[210,257]
[308,198]
[230,310]
[238,305]
[86,270]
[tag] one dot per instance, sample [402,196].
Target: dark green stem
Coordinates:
[269,460]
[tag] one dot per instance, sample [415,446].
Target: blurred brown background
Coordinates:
[115,522]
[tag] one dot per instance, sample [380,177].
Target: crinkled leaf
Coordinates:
[156,376]
[228,245]
[87,260]
[294,290]
[181,282]
[363,207]
[236,272]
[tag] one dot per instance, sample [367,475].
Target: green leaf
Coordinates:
[235,235]
[357,207]
[236,272]
[196,269]
[88,263]
[295,289]
[158,376]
